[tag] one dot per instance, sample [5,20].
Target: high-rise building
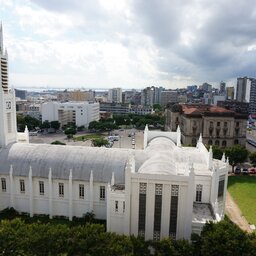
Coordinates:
[243,88]
[168,97]
[252,103]
[115,95]
[22,94]
[246,92]
[230,93]
[147,96]
[222,88]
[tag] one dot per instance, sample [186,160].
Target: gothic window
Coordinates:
[209,142]
[217,143]
[81,191]
[41,187]
[174,211]
[116,206]
[61,189]
[142,209]
[102,193]
[158,211]
[199,190]
[22,186]
[221,187]
[3,182]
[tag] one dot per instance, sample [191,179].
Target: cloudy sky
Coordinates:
[128,43]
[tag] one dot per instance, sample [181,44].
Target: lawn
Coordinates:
[243,191]
[88,137]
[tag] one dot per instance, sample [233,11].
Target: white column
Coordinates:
[50,192]
[11,188]
[189,209]
[150,206]
[30,180]
[113,179]
[91,191]
[127,212]
[70,198]
[178,132]
[108,207]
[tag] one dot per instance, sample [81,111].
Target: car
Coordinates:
[245,171]
[133,142]
[237,170]
[129,135]
[252,170]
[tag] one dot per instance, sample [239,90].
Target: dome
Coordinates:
[159,164]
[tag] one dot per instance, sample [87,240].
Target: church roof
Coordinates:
[41,157]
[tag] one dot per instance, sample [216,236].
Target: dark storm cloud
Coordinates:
[220,39]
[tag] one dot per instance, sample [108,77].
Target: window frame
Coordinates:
[41,187]
[81,191]
[3,184]
[102,193]
[61,189]
[22,186]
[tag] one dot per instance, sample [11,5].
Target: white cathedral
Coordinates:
[164,190]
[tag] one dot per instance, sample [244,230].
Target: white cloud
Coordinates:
[129,43]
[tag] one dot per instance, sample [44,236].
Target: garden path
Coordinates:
[235,214]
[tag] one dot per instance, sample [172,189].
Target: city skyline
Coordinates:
[128,44]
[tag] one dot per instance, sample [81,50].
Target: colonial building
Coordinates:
[218,126]
[164,190]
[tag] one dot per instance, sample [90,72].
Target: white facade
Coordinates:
[164,190]
[80,113]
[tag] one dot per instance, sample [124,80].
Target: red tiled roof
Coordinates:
[199,109]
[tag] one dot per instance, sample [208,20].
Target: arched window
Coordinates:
[217,143]
[209,142]
[193,141]
[224,143]
[236,142]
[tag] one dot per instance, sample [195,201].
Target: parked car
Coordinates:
[252,170]
[237,170]
[245,171]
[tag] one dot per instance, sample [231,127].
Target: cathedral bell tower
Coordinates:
[8,130]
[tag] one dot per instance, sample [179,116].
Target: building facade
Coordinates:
[218,126]
[80,113]
[163,190]
[115,95]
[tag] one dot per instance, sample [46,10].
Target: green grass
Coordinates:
[243,191]
[88,137]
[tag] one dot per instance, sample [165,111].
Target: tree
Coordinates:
[45,125]
[236,154]
[252,158]
[57,142]
[30,122]
[55,125]
[224,238]
[99,142]
[157,107]
[70,132]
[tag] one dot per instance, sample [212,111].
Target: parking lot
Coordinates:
[124,141]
